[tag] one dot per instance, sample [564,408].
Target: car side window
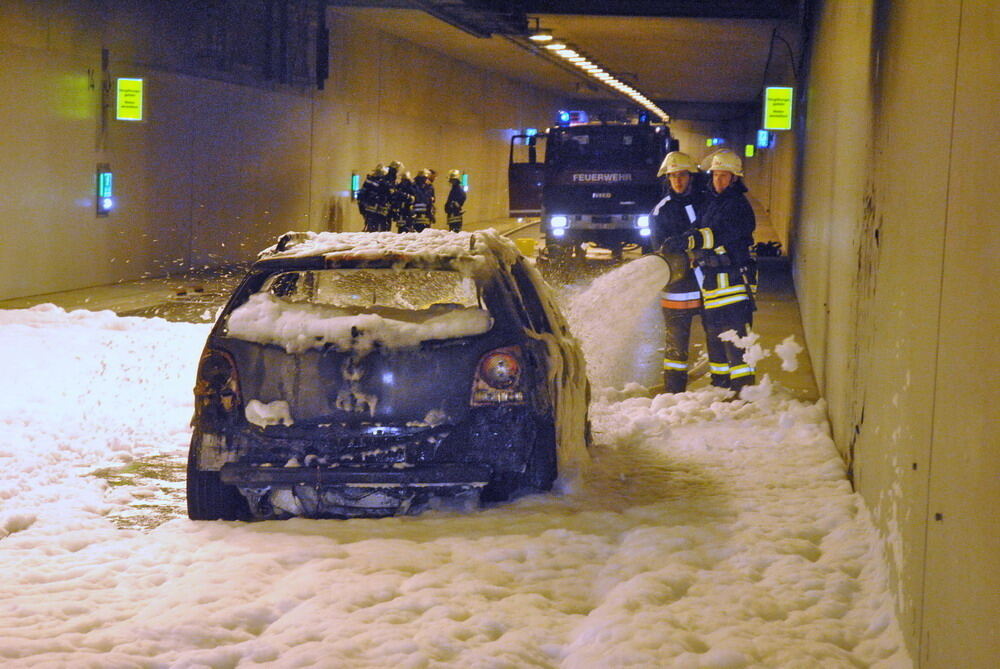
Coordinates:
[530,298]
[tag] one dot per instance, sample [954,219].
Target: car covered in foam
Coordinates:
[374,374]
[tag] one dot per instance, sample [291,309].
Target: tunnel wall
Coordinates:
[388,99]
[892,249]
[220,166]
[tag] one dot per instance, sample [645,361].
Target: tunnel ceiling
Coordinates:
[707,58]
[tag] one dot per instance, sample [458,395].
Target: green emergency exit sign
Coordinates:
[778,108]
[128,101]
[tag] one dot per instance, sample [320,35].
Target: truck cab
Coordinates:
[589,182]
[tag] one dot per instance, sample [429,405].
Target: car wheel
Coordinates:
[208,498]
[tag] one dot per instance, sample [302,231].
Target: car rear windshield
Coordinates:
[355,309]
[377,290]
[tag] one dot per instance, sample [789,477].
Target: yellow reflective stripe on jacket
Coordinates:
[718,368]
[723,291]
[724,301]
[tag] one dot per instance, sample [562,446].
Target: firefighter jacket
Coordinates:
[402,203]
[675,215]
[453,205]
[423,202]
[721,244]
[456,200]
[374,194]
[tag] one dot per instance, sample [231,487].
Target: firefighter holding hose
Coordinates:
[673,216]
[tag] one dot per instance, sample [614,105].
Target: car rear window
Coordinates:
[357,308]
[374,290]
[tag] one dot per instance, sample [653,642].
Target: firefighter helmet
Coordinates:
[396,165]
[726,161]
[379,170]
[425,173]
[455,174]
[677,161]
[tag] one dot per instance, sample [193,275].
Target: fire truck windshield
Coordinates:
[596,147]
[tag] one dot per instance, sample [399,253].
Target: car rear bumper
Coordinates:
[247,475]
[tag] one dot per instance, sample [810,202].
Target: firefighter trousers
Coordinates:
[725,358]
[677,338]
[376,223]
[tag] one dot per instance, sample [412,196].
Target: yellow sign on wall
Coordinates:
[778,108]
[128,103]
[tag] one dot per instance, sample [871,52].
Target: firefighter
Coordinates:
[402,203]
[371,199]
[674,215]
[724,268]
[394,170]
[456,200]
[423,201]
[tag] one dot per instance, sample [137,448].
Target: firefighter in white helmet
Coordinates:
[453,206]
[423,201]
[724,268]
[673,216]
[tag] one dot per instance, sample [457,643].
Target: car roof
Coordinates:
[472,252]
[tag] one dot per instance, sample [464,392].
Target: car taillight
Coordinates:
[217,389]
[498,378]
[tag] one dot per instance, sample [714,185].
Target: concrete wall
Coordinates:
[218,168]
[388,99]
[892,252]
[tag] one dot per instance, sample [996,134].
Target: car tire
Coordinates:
[208,498]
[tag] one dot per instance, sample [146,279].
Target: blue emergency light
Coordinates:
[564,118]
[764,139]
[531,132]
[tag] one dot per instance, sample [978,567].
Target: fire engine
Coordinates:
[589,181]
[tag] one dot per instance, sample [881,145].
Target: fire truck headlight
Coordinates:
[644,232]
[643,223]
[558,232]
[559,222]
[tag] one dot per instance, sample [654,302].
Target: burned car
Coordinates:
[374,374]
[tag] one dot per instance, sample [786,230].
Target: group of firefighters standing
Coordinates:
[709,221]
[390,197]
